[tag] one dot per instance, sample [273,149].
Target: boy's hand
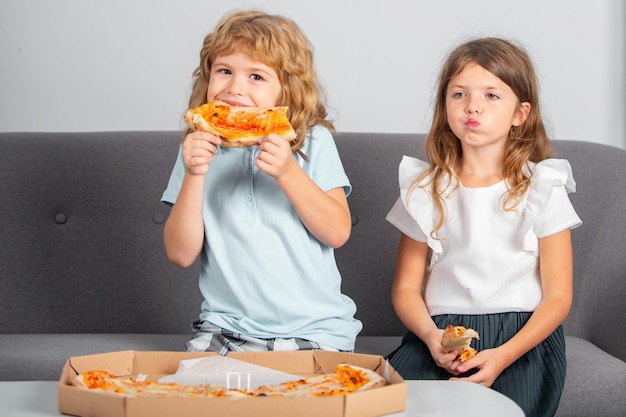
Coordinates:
[275,156]
[199,149]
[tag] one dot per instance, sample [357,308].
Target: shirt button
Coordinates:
[249,197]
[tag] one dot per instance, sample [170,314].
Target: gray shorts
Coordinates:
[212,338]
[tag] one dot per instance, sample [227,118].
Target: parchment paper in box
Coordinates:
[227,372]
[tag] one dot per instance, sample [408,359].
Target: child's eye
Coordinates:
[458,95]
[224,71]
[493,96]
[256,77]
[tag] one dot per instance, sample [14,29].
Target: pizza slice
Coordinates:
[94,379]
[240,126]
[459,338]
[345,380]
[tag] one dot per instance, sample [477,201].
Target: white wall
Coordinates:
[83,65]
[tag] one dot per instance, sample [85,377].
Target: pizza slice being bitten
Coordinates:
[240,126]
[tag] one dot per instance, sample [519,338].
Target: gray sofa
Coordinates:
[83,269]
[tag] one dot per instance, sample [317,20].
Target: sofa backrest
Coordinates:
[599,252]
[81,234]
[367,260]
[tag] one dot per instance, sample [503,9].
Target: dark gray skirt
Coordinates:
[535,381]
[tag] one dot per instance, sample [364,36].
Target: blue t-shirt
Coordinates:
[262,273]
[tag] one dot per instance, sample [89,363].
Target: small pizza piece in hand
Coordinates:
[459,338]
[240,126]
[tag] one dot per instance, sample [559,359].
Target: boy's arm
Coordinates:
[325,214]
[183,234]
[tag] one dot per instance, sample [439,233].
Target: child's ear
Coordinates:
[521,113]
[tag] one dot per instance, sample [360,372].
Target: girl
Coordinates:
[485,238]
[264,220]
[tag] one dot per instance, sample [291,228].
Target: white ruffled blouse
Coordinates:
[485,259]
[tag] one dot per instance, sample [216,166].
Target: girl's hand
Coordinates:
[447,361]
[275,156]
[490,364]
[199,149]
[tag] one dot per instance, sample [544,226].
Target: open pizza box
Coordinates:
[378,401]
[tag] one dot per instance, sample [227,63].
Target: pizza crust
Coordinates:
[375,380]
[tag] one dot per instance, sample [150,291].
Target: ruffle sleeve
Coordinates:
[420,203]
[548,179]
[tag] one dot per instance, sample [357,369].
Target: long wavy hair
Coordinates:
[275,41]
[527,142]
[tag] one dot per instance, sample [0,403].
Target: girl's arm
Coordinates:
[556,269]
[325,214]
[183,234]
[408,302]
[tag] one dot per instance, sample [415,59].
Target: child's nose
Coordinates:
[473,105]
[236,86]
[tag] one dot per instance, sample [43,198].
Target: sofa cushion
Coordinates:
[25,357]
[595,381]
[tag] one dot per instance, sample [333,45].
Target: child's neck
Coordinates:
[479,172]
